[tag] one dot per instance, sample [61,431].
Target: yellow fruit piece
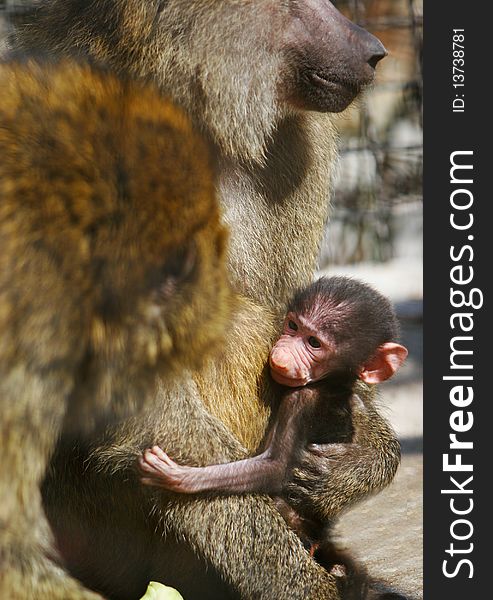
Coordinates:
[158,591]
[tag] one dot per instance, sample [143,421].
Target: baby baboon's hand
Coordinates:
[159,470]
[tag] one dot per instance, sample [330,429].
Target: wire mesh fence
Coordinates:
[378,200]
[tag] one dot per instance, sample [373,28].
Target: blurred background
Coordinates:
[375,234]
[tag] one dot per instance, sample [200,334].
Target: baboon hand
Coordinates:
[159,470]
[317,466]
[328,451]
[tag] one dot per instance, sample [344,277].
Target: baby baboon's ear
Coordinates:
[385,362]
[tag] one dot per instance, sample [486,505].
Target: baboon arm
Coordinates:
[258,474]
[263,473]
[32,408]
[249,544]
[243,537]
[331,477]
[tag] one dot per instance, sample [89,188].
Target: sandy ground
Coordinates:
[385,532]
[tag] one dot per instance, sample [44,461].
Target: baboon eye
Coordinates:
[314,343]
[292,325]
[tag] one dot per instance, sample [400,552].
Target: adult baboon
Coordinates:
[255,76]
[111,255]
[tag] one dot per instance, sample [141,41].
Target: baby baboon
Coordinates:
[255,77]
[336,331]
[111,272]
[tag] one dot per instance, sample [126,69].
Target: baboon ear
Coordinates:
[385,362]
[179,267]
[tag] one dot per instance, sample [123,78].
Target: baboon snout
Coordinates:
[377,51]
[281,360]
[365,46]
[334,57]
[287,363]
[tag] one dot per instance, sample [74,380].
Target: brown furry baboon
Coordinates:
[256,77]
[112,271]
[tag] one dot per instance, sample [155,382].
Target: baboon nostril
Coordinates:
[376,58]
[379,52]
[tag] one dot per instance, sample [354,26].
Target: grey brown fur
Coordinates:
[227,63]
[100,289]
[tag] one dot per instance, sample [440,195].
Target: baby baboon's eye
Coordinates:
[314,343]
[292,325]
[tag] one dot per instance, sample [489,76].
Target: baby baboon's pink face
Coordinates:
[302,354]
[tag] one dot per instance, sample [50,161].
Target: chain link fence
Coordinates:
[377,211]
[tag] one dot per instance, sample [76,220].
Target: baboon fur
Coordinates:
[223,62]
[97,293]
